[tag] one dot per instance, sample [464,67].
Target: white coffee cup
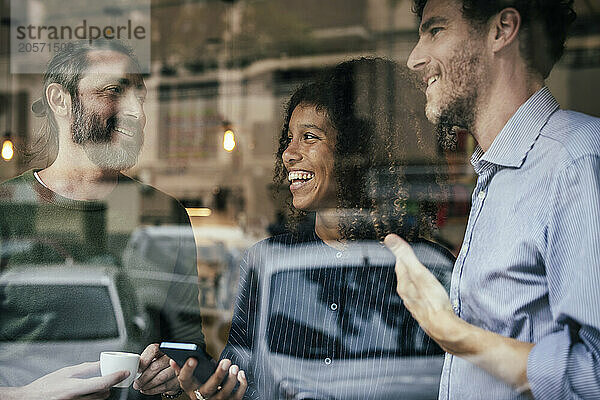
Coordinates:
[114,361]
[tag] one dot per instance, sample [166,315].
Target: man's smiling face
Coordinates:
[108,115]
[450,57]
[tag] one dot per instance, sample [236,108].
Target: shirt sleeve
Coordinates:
[566,363]
[240,344]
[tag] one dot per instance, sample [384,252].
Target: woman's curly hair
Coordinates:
[383,146]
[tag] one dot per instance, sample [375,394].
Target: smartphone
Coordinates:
[180,352]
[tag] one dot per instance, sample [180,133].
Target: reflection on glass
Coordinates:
[46,312]
[346,313]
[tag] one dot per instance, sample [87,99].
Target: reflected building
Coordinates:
[220,65]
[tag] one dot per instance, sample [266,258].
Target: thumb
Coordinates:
[394,242]
[401,249]
[103,383]
[397,245]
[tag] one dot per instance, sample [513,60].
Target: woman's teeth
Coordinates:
[300,175]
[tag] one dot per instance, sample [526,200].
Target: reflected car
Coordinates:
[34,250]
[57,316]
[160,261]
[151,253]
[336,329]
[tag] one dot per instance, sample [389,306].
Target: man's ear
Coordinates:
[505,28]
[59,100]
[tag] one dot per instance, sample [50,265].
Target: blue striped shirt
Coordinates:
[529,266]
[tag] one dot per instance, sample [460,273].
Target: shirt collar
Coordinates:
[519,134]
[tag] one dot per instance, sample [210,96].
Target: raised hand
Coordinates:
[212,387]
[423,295]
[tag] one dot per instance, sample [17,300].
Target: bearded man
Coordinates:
[93,99]
[522,318]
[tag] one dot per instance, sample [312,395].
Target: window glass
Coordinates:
[179,159]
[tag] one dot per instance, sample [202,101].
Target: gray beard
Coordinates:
[88,131]
[110,157]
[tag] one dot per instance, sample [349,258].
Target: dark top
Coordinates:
[40,228]
[314,315]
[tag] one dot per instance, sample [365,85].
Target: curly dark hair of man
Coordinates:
[544,26]
[377,111]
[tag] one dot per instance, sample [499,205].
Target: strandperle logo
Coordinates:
[81,32]
[41,28]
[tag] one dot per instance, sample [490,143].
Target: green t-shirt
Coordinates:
[39,228]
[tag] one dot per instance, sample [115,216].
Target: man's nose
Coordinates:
[417,59]
[132,105]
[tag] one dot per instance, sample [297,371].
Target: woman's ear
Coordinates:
[505,29]
[59,100]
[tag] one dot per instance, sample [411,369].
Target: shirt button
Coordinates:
[328,361]
[338,254]
[481,195]
[333,306]
[455,306]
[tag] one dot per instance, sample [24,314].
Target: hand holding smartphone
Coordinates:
[180,352]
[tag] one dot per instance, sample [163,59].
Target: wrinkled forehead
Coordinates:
[110,65]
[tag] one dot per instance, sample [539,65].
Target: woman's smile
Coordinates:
[309,157]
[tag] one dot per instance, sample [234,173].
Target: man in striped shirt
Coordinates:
[522,317]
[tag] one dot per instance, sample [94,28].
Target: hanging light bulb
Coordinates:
[8,150]
[229,140]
